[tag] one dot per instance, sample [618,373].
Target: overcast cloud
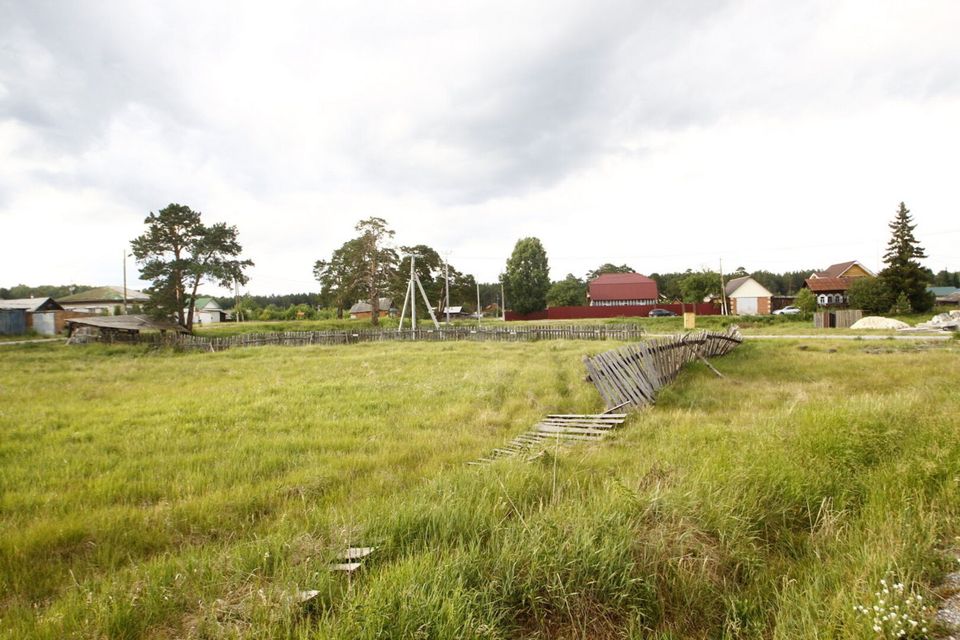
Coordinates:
[663,134]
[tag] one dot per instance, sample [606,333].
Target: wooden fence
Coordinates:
[632,375]
[837,319]
[625,332]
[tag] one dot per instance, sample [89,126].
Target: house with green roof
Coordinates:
[103,300]
[206,310]
[945,295]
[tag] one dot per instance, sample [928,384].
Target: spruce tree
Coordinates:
[903,274]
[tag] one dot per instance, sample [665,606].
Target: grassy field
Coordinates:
[161,495]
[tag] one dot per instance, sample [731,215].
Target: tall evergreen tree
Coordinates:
[903,273]
[178,252]
[379,262]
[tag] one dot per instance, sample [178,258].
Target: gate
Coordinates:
[44,323]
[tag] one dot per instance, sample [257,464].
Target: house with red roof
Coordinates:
[831,285]
[621,290]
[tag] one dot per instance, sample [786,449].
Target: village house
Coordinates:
[453,312]
[831,285]
[363,310]
[747,297]
[206,311]
[621,290]
[945,295]
[103,300]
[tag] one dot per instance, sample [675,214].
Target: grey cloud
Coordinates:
[69,67]
[533,121]
[612,72]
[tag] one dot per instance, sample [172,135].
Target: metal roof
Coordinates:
[837,270]
[127,323]
[828,284]
[623,286]
[735,283]
[31,304]
[104,294]
[202,302]
[364,307]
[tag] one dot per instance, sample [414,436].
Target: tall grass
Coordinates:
[193,495]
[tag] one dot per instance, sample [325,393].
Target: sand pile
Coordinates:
[876,322]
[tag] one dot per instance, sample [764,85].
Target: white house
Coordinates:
[747,297]
[206,311]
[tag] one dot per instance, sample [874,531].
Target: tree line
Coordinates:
[901,287]
[178,252]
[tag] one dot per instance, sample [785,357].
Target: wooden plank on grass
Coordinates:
[546,428]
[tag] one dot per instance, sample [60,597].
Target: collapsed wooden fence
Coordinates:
[633,375]
[624,332]
[627,378]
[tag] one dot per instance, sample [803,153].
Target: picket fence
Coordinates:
[624,332]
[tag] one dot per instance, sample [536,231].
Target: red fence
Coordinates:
[577,313]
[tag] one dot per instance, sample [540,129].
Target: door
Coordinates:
[44,324]
[746,306]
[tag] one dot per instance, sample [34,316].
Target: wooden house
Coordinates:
[622,290]
[945,295]
[363,310]
[831,286]
[103,300]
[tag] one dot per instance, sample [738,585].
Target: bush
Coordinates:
[901,306]
[806,301]
[870,294]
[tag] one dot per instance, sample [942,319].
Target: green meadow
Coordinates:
[154,494]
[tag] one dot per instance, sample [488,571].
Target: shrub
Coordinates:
[901,306]
[806,301]
[870,294]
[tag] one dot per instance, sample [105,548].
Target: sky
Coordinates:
[664,135]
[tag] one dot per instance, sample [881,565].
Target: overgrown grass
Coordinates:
[165,495]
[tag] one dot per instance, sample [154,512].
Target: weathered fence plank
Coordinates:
[632,375]
[338,337]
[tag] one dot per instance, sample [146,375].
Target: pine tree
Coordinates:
[903,274]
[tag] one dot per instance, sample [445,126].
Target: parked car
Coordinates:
[660,313]
[787,311]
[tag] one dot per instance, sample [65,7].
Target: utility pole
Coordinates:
[446,280]
[479,315]
[723,293]
[125,312]
[413,298]
[413,285]
[503,304]
[236,300]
